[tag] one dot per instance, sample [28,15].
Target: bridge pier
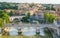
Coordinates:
[37,30]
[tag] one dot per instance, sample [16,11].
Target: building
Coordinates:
[58,17]
[57,7]
[25,7]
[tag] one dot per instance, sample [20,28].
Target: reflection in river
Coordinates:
[28,31]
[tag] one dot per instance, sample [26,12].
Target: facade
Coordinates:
[58,17]
[57,7]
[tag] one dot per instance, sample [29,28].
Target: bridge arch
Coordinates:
[16,20]
[13,17]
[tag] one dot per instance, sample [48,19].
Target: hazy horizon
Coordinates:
[33,1]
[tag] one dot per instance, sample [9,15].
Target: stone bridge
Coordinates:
[13,17]
[22,25]
[36,26]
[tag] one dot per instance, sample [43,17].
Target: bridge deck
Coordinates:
[31,25]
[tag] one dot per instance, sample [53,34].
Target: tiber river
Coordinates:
[30,33]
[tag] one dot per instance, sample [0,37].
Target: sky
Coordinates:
[35,1]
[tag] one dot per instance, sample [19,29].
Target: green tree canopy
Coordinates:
[4,18]
[50,7]
[1,23]
[11,13]
[28,15]
[1,13]
[26,18]
[49,17]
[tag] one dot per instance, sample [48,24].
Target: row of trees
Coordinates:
[26,18]
[50,7]
[4,5]
[4,18]
[11,13]
[48,18]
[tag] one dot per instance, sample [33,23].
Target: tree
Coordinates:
[52,18]
[28,15]
[1,23]
[6,18]
[49,17]
[4,11]
[46,16]
[1,13]
[31,5]
[50,7]
[11,13]
[26,18]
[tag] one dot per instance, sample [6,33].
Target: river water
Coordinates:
[27,33]
[20,36]
[23,36]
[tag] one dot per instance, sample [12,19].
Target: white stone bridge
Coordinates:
[13,17]
[36,26]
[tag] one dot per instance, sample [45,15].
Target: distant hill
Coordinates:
[4,5]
